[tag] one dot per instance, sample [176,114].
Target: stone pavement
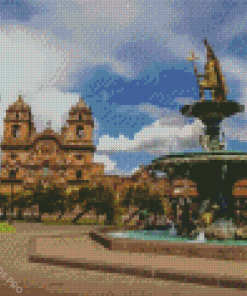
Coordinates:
[81,252]
[48,279]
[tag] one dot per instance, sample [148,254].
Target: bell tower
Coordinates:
[78,142]
[17,124]
[18,128]
[80,123]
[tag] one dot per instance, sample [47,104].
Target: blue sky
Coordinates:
[127,59]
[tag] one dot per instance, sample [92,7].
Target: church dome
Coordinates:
[80,106]
[20,105]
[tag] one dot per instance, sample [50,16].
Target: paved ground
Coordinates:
[41,279]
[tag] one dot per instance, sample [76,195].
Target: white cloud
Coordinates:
[100,12]
[181,45]
[37,60]
[99,27]
[167,116]
[95,32]
[27,62]
[152,110]
[235,128]
[104,159]
[97,129]
[112,145]
[83,28]
[184,100]
[133,171]
[233,27]
[170,133]
[45,105]
[234,68]
[37,69]
[110,166]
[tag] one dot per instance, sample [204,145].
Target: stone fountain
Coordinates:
[215,170]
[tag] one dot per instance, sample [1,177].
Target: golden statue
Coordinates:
[213,78]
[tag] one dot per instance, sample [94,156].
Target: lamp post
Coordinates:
[170,177]
[11,199]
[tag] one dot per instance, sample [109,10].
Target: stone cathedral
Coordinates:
[29,158]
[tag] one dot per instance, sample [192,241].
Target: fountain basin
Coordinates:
[148,235]
[178,246]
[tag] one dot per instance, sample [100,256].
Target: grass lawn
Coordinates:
[69,222]
[19,221]
[6,228]
[89,222]
[57,222]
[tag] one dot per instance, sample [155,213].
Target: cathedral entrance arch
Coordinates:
[49,200]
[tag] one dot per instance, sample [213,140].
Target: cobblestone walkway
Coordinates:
[41,279]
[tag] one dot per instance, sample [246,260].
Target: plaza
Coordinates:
[51,279]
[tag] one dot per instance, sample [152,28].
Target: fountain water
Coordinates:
[172,230]
[201,238]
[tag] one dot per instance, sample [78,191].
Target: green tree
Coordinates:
[105,202]
[4,199]
[50,200]
[21,202]
[98,197]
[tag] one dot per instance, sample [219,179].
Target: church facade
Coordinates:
[30,159]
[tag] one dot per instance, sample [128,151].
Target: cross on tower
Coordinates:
[48,124]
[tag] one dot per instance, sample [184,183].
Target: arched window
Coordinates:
[46,170]
[12,174]
[16,129]
[78,174]
[79,116]
[80,131]
[17,115]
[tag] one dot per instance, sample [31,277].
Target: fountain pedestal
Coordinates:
[211,114]
[215,172]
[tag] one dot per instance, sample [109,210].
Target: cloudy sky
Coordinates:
[127,58]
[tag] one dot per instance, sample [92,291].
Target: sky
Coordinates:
[128,60]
